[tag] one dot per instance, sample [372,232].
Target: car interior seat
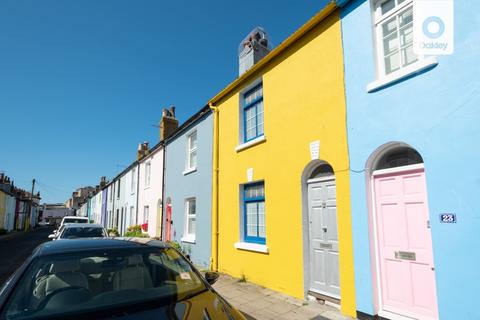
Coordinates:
[65,273]
[134,275]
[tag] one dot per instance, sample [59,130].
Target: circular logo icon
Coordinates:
[433,27]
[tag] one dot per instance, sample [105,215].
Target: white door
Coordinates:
[324,273]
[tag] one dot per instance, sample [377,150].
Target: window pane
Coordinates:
[260,118]
[392,63]
[191,225]
[390,44]
[256,191]
[405,17]
[251,221]
[387,6]
[261,220]
[389,27]
[193,159]
[192,207]
[193,141]
[408,57]
[406,35]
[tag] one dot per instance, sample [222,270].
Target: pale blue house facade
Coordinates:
[188,187]
[413,137]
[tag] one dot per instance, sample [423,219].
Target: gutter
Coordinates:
[215,173]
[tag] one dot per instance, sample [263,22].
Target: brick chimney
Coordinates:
[168,123]
[142,150]
[103,181]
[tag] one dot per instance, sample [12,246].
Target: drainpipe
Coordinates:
[163,188]
[138,191]
[214,259]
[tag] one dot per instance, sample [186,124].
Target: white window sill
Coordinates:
[251,247]
[401,74]
[250,143]
[189,239]
[191,170]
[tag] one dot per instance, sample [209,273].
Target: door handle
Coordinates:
[324,229]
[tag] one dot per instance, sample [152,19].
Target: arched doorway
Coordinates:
[401,243]
[320,230]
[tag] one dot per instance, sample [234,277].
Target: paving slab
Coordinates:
[259,303]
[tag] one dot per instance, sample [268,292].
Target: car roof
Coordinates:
[85,244]
[75,217]
[82,225]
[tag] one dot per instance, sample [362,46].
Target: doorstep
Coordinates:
[258,303]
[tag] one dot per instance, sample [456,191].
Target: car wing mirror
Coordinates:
[211,277]
[51,236]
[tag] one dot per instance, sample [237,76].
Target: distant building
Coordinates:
[79,197]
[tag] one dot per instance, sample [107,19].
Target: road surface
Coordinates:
[15,248]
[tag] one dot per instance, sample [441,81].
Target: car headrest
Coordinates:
[65,266]
[136,259]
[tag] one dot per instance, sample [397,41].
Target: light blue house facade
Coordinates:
[188,187]
[413,144]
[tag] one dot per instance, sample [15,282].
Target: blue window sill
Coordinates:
[251,143]
[248,246]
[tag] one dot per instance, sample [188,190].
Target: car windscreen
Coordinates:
[82,232]
[102,281]
[75,220]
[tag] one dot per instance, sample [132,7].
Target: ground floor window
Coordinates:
[190,217]
[254,213]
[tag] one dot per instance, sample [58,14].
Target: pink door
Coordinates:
[407,274]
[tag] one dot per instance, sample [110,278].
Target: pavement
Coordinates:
[258,303]
[15,247]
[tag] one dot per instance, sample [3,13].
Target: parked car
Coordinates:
[81,230]
[67,219]
[73,219]
[111,278]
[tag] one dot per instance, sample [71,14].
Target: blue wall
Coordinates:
[438,113]
[179,187]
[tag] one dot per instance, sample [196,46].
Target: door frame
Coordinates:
[305,181]
[374,224]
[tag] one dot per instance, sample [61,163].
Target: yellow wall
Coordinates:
[3,208]
[303,102]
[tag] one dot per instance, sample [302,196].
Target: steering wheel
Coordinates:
[68,294]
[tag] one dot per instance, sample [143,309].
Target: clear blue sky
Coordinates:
[82,82]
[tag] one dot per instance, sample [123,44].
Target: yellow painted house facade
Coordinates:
[281,208]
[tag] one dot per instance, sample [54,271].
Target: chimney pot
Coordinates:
[168,123]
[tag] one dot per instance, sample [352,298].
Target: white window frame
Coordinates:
[188,165]
[187,235]
[383,79]
[148,171]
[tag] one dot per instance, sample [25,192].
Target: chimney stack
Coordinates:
[103,181]
[142,150]
[252,49]
[168,123]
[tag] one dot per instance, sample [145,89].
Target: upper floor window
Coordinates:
[393,20]
[190,217]
[192,151]
[147,174]
[118,189]
[133,180]
[254,213]
[253,113]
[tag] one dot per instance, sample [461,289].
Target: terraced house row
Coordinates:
[339,165]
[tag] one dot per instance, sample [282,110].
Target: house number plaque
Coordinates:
[405,255]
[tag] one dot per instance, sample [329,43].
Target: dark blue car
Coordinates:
[111,278]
